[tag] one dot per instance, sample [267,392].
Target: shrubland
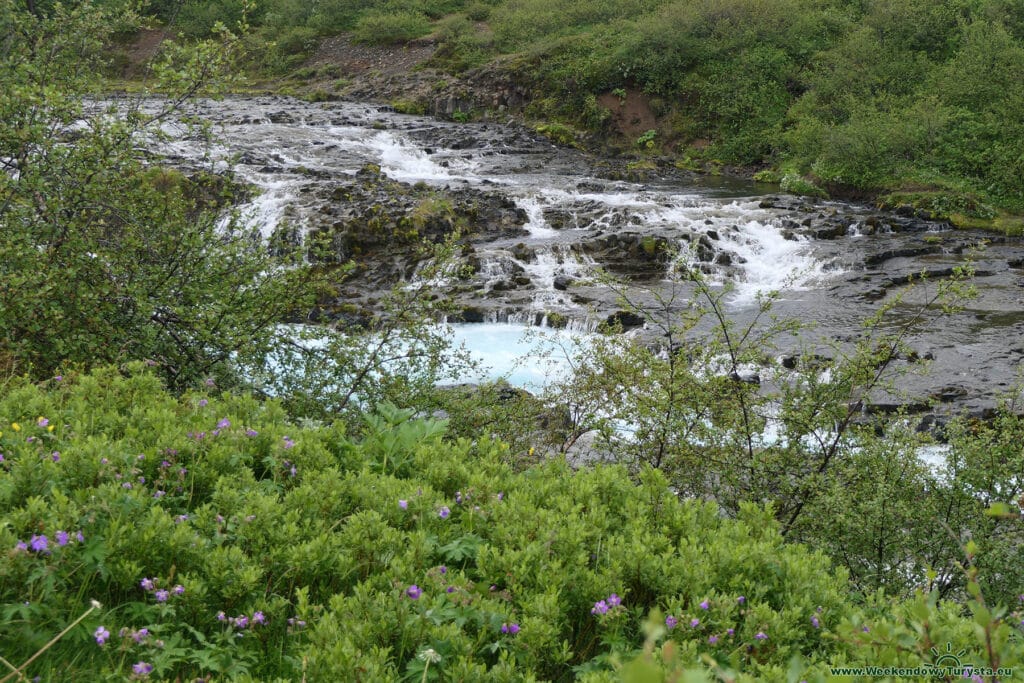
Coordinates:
[918,102]
[194,487]
[220,537]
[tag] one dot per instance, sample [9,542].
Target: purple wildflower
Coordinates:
[730,632]
[450,589]
[458,497]
[600,607]
[694,623]
[203,402]
[62,538]
[742,599]
[221,616]
[80,536]
[140,635]
[815,623]
[241,621]
[404,504]
[511,629]
[712,640]
[251,432]
[224,423]
[288,443]
[443,569]
[142,669]
[501,496]
[161,595]
[55,456]
[614,600]
[126,485]
[866,629]
[42,422]
[414,592]
[259,618]
[40,544]
[761,635]
[159,493]
[58,378]
[670,622]
[705,604]
[21,545]
[101,635]
[179,590]
[209,382]
[444,512]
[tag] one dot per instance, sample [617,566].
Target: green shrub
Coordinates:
[325,551]
[383,27]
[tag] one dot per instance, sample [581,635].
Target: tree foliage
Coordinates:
[105,256]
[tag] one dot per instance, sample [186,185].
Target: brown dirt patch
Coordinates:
[632,115]
[145,46]
[355,59]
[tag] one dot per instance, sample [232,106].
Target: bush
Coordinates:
[221,538]
[385,27]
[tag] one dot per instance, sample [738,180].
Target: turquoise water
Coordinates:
[526,357]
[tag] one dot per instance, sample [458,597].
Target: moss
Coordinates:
[688,163]
[415,107]
[1003,223]
[556,320]
[318,95]
[940,204]
[559,133]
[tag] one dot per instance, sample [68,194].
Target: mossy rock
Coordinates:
[559,133]
[1006,224]
[940,204]
[414,107]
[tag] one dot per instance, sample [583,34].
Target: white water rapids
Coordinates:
[831,263]
[280,153]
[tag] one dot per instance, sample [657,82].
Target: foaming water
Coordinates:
[287,150]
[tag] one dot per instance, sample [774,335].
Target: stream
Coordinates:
[542,217]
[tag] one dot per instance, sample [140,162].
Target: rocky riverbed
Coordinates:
[537,221]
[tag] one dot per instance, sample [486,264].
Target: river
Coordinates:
[563,213]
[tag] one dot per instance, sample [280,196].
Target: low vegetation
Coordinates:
[220,537]
[857,97]
[193,489]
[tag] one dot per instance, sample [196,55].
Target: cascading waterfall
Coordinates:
[557,221]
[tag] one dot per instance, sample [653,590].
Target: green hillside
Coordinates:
[921,98]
